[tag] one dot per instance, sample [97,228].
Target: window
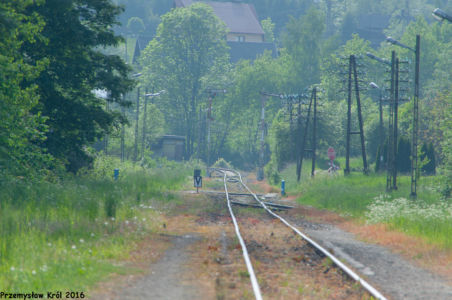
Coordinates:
[240,38]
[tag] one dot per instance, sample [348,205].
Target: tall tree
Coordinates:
[19,128]
[73,36]
[187,53]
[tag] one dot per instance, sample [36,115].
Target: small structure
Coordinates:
[171,147]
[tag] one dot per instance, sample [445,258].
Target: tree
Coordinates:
[188,52]
[72,39]
[19,127]
[269,28]
[302,41]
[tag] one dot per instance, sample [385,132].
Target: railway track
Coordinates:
[233,180]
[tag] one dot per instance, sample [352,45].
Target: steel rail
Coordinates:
[374,292]
[249,266]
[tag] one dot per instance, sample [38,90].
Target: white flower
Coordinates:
[144,219]
[112,218]
[82,241]
[106,223]
[127,222]
[49,244]
[92,234]
[12,269]
[33,272]
[44,268]
[73,247]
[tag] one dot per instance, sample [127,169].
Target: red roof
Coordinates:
[238,17]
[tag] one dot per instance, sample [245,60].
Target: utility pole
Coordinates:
[303,143]
[380,108]
[414,141]
[390,155]
[298,134]
[352,68]
[107,108]
[396,109]
[209,119]
[360,118]
[314,134]
[135,147]
[349,117]
[123,112]
[260,171]
[144,123]
[414,163]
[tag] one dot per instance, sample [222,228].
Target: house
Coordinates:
[245,36]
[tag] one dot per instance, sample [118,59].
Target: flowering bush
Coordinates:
[385,210]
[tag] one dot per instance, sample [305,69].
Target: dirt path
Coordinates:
[166,278]
[395,276]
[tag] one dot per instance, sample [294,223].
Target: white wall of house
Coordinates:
[245,37]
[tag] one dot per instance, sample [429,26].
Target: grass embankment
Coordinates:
[364,198]
[66,236]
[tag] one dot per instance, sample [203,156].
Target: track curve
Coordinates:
[235,176]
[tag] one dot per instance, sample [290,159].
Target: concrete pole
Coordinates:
[414,141]
[260,171]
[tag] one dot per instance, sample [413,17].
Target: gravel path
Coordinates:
[165,278]
[394,276]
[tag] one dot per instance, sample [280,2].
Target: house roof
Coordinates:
[238,17]
[182,3]
[249,51]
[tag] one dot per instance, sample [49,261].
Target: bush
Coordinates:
[428,158]
[403,158]
[271,172]
[222,163]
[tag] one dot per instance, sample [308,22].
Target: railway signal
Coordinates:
[197,179]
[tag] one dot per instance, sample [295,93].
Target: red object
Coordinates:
[331,153]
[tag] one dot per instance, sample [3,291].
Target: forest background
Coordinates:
[52,122]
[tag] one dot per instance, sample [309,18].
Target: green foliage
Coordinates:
[71,38]
[185,55]
[135,25]
[74,230]
[428,156]
[269,27]
[282,141]
[271,172]
[20,128]
[403,157]
[222,163]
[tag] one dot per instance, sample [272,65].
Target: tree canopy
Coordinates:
[186,56]
[72,37]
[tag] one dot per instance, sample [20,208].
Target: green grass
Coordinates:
[365,198]
[67,235]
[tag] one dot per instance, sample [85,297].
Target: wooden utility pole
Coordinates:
[314,133]
[135,147]
[123,112]
[303,141]
[143,142]
[352,68]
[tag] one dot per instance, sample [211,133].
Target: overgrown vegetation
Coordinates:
[363,198]
[66,235]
